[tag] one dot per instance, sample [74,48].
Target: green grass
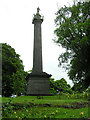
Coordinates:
[0,99]
[51,112]
[0,107]
[45,112]
[55,100]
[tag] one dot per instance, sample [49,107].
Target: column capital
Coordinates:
[37,17]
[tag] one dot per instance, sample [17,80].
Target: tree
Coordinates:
[62,86]
[52,86]
[19,82]
[78,87]
[11,63]
[73,27]
[0,69]
[59,86]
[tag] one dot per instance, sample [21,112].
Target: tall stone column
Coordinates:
[37,52]
[38,81]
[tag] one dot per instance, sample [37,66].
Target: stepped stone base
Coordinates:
[38,84]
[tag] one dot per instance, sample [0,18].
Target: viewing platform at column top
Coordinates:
[37,16]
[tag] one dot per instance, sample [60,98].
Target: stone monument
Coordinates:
[38,81]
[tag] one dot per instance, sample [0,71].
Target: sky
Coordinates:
[17,30]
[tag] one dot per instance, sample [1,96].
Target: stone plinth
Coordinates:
[38,84]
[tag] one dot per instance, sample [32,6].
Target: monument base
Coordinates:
[38,84]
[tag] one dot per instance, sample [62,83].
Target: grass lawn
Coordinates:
[0,107]
[49,112]
[55,100]
[47,107]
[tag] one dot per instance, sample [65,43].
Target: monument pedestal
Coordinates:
[38,84]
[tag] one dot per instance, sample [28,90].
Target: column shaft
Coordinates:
[37,52]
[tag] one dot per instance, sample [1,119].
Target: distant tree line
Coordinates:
[59,86]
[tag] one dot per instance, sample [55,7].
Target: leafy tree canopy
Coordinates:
[11,63]
[72,31]
[19,82]
[0,69]
[58,86]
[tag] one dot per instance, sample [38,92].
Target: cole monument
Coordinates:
[38,81]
